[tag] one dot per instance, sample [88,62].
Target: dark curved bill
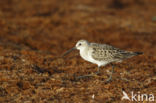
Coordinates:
[68,51]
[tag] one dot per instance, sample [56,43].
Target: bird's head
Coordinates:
[81,44]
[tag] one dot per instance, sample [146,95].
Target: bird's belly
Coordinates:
[90,59]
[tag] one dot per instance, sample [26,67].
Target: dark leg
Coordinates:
[98,71]
[110,77]
[89,75]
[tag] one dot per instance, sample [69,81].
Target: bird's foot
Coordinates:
[98,72]
[89,75]
[125,79]
[109,79]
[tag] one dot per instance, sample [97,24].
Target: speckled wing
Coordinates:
[104,52]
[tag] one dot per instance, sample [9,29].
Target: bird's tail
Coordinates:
[125,55]
[138,53]
[131,54]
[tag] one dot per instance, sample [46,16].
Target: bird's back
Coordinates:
[104,52]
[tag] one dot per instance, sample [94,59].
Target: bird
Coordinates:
[101,55]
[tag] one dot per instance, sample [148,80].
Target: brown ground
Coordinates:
[34,34]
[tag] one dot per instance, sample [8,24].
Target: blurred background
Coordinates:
[34,32]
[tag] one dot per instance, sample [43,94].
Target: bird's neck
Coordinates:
[83,51]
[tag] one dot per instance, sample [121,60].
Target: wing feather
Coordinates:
[104,52]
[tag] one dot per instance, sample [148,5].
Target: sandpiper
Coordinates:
[101,54]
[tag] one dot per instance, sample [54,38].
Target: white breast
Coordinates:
[87,55]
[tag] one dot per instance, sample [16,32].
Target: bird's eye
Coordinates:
[80,44]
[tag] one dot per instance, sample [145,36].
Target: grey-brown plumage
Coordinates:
[104,52]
